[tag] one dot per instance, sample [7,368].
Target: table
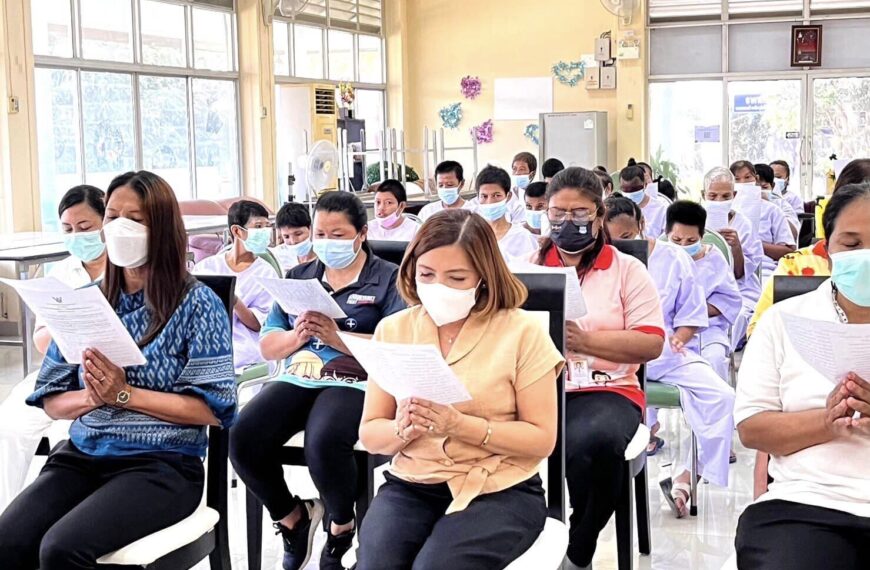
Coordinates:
[27,250]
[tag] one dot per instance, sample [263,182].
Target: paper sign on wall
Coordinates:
[522,98]
[707,134]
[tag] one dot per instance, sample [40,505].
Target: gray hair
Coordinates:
[718,174]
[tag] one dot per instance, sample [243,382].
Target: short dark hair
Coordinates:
[536,190]
[740,165]
[839,200]
[600,168]
[666,188]
[618,205]
[90,195]
[242,211]
[293,215]
[783,164]
[687,213]
[856,172]
[449,166]
[764,173]
[395,188]
[632,172]
[347,204]
[605,179]
[528,158]
[551,167]
[493,175]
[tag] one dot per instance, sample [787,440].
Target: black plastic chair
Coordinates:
[392,251]
[807,230]
[788,286]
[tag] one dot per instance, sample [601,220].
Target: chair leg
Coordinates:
[641,502]
[254,514]
[693,478]
[624,534]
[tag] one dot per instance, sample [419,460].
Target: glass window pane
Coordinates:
[212,40]
[215,122]
[371,69]
[163,34]
[57,128]
[107,30]
[841,124]
[107,119]
[762,7]
[340,55]
[765,121]
[759,47]
[370,108]
[663,10]
[281,43]
[370,14]
[308,51]
[165,140]
[685,130]
[846,44]
[817,6]
[696,49]
[50,20]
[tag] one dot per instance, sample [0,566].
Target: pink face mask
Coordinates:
[390,221]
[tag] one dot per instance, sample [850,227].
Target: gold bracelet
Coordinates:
[488,434]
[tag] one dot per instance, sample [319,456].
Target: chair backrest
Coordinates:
[714,238]
[201,208]
[547,295]
[227,202]
[413,218]
[392,251]
[637,248]
[807,229]
[788,286]
[270,259]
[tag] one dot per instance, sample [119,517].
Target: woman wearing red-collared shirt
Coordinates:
[623,329]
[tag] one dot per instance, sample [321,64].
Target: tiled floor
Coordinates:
[703,543]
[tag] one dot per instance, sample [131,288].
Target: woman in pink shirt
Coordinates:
[623,329]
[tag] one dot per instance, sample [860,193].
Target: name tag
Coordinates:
[579,375]
[355,299]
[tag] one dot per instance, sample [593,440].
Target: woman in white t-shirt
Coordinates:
[81,213]
[493,191]
[816,512]
[390,224]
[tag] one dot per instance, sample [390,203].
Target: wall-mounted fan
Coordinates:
[622,8]
[286,8]
[319,169]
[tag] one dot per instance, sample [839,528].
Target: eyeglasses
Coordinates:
[580,216]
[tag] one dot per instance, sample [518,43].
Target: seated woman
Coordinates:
[477,460]
[706,399]
[622,330]
[816,513]
[493,190]
[133,463]
[251,231]
[293,223]
[321,387]
[389,223]
[81,213]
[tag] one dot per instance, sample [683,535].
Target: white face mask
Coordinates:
[445,304]
[126,242]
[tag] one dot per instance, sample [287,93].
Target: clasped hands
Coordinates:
[311,324]
[416,417]
[103,380]
[849,396]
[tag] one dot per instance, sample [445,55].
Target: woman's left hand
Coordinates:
[436,419]
[106,379]
[322,327]
[859,401]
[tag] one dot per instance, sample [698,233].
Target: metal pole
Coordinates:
[382,153]
[426,189]
[404,155]
[474,154]
[443,154]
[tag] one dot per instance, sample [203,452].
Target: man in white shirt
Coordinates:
[450,179]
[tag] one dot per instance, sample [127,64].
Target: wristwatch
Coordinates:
[123,398]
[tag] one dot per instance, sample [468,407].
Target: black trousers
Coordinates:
[406,528]
[82,507]
[598,428]
[778,535]
[330,418]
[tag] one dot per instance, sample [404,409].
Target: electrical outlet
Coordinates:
[592,78]
[14,105]
[608,78]
[602,49]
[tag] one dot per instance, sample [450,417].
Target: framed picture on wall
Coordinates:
[806,46]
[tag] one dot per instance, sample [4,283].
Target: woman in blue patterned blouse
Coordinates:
[132,465]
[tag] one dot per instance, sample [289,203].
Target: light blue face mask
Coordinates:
[851,275]
[533,218]
[636,196]
[493,212]
[258,240]
[335,253]
[87,246]
[300,249]
[693,249]
[448,195]
[521,181]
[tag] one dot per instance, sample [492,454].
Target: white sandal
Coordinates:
[677,495]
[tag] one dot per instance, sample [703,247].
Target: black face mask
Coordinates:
[571,238]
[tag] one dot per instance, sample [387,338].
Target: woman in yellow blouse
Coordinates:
[476,461]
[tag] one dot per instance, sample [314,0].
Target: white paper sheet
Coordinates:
[717,216]
[748,203]
[408,370]
[79,319]
[575,306]
[299,295]
[833,349]
[522,98]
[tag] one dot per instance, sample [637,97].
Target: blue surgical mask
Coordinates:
[520,181]
[636,196]
[300,249]
[493,212]
[533,218]
[258,240]
[335,253]
[87,246]
[693,249]
[851,274]
[448,195]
